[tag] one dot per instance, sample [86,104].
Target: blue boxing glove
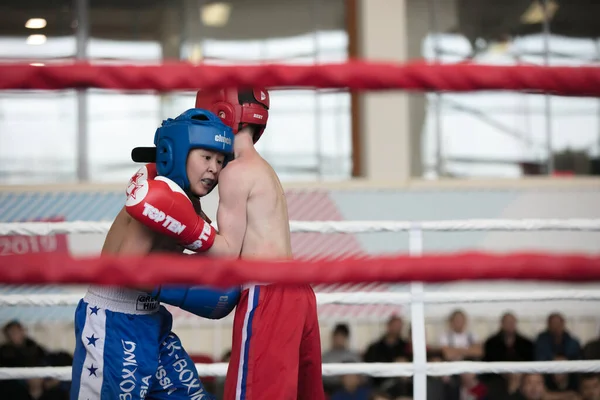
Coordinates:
[202,301]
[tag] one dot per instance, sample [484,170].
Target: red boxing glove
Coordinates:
[161,205]
[148,171]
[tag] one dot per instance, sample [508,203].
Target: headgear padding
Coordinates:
[238,108]
[194,129]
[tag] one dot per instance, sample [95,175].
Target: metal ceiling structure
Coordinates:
[497,20]
[142,19]
[145,19]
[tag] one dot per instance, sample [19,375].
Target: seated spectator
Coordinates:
[556,340]
[513,383]
[340,347]
[501,387]
[353,388]
[339,353]
[19,350]
[532,388]
[562,383]
[54,389]
[390,346]
[471,388]
[505,345]
[14,390]
[589,387]
[458,342]
[508,344]
[379,396]
[440,387]
[591,351]
[398,387]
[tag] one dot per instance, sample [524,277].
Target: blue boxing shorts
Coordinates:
[125,350]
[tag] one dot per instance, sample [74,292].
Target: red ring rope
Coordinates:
[156,269]
[573,81]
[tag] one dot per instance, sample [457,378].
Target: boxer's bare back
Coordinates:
[252,216]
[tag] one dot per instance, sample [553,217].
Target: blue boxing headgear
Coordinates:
[194,129]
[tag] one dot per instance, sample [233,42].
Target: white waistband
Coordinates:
[121,300]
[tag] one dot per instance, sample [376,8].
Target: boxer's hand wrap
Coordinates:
[164,207]
[202,301]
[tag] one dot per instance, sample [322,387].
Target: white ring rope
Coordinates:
[87,227]
[370,369]
[40,299]
[354,298]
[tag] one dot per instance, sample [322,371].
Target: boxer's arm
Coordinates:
[232,213]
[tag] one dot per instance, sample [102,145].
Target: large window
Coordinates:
[509,134]
[494,134]
[308,135]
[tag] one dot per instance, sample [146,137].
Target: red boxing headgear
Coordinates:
[238,108]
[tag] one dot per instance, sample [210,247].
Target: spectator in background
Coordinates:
[562,383]
[54,389]
[471,388]
[340,346]
[513,383]
[353,388]
[440,387]
[555,340]
[591,351]
[398,387]
[501,387]
[379,396]
[339,353]
[390,346]
[532,388]
[458,342]
[14,390]
[589,387]
[508,344]
[19,350]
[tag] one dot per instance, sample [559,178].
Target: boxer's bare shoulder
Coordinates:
[250,190]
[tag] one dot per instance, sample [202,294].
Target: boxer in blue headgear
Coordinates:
[113,324]
[176,138]
[184,146]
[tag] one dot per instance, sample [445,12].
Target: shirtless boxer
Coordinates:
[276,351]
[125,349]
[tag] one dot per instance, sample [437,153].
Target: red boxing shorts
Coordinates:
[276,351]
